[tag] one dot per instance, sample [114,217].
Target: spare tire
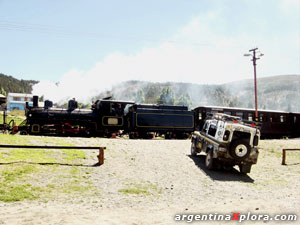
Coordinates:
[240,149]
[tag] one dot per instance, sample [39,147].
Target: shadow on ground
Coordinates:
[220,174]
[47,164]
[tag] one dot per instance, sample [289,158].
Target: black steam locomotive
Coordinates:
[109,117]
[106,118]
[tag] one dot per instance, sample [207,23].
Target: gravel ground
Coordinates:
[150,181]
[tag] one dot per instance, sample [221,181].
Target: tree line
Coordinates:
[165,97]
[10,84]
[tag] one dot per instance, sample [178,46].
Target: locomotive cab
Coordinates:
[111,107]
[111,116]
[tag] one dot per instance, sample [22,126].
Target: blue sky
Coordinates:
[93,44]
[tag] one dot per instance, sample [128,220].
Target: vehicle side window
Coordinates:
[212,130]
[204,129]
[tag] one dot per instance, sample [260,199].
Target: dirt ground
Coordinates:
[150,181]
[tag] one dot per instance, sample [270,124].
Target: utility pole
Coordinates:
[254,58]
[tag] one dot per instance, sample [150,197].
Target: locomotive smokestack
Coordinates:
[72,104]
[35,101]
[48,104]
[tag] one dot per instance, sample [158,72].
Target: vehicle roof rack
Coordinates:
[225,117]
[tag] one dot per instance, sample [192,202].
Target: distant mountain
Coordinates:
[11,84]
[274,93]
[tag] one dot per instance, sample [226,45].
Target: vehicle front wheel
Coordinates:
[193,149]
[209,160]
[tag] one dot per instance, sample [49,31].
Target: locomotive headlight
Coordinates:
[30,115]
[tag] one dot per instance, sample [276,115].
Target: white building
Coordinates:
[17,101]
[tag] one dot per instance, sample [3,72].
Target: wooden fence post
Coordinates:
[101,156]
[283,157]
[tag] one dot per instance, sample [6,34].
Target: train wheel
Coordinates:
[23,132]
[131,135]
[168,136]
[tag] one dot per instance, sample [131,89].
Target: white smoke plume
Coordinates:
[201,52]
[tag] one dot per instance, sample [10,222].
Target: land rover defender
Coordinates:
[227,141]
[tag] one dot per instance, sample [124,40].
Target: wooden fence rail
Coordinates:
[284,154]
[100,156]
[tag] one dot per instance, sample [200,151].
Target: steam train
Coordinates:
[108,117]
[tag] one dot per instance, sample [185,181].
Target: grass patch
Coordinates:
[75,187]
[17,115]
[18,193]
[38,155]
[10,188]
[134,191]
[73,154]
[13,139]
[141,189]
[23,176]
[27,155]
[13,174]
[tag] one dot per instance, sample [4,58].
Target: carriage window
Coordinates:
[295,119]
[262,118]
[239,114]
[227,113]
[282,118]
[271,119]
[250,117]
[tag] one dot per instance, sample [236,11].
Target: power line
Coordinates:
[62,31]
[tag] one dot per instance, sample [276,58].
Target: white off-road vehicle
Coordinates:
[227,141]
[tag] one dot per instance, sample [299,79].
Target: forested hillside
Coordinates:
[10,84]
[274,93]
